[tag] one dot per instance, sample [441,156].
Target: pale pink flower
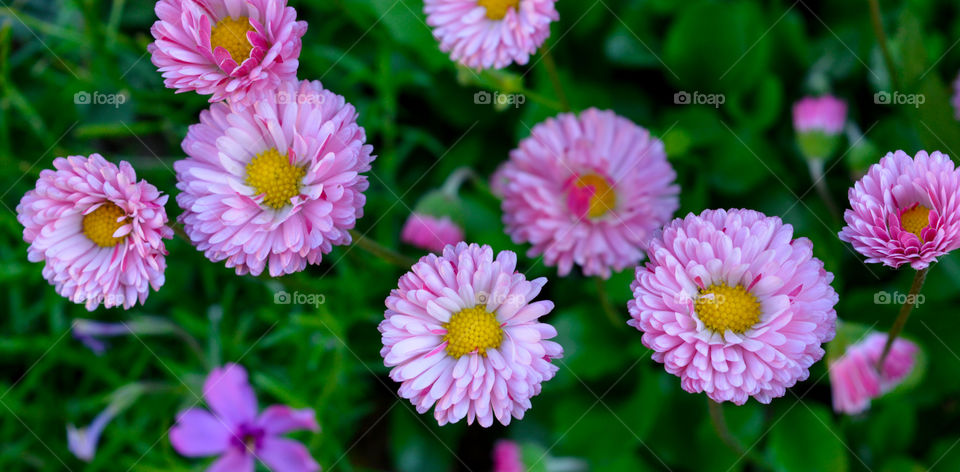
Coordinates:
[732,304]
[462,335]
[854,378]
[226,48]
[97,230]
[484,34]
[826,114]
[507,457]
[587,190]
[905,210]
[274,185]
[430,233]
[234,431]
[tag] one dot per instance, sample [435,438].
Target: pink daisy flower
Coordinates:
[587,190]
[226,48]
[430,233]
[275,184]
[98,231]
[461,334]
[732,304]
[235,432]
[905,210]
[826,114]
[854,379]
[507,457]
[484,34]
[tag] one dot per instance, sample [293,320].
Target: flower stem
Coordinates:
[551,66]
[820,183]
[387,254]
[606,305]
[456,178]
[720,425]
[904,315]
[876,19]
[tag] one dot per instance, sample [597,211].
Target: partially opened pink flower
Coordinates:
[732,304]
[275,185]
[430,232]
[484,34]
[226,48]
[587,190]
[905,210]
[234,431]
[462,335]
[854,378]
[507,457]
[826,114]
[97,230]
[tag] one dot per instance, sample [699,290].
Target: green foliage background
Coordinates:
[609,404]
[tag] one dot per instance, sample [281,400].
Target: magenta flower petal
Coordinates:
[73,220]
[462,335]
[587,190]
[507,457]
[490,34]
[733,304]
[905,210]
[286,455]
[281,419]
[199,434]
[826,114]
[430,233]
[229,394]
[235,460]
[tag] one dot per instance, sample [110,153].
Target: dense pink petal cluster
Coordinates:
[854,378]
[430,233]
[735,248]
[496,383]
[183,53]
[475,35]
[826,114]
[507,457]
[587,190]
[905,210]
[234,431]
[225,216]
[53,216]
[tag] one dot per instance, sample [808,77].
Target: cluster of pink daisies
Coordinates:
[730,301]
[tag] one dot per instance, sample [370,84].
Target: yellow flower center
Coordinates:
[271,174]
[100,224]
[497,9]
[915,220]
[603,198]
[722,307]
[472,329]
[231,34]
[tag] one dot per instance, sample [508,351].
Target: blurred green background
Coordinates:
[609,405]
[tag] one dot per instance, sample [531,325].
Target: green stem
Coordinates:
[901,321]
[877,20]
[820,183]
[387,254]
[607,306]
[456,178]
[720,425]
[551,66]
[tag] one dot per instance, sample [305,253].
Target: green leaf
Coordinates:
[806,439]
